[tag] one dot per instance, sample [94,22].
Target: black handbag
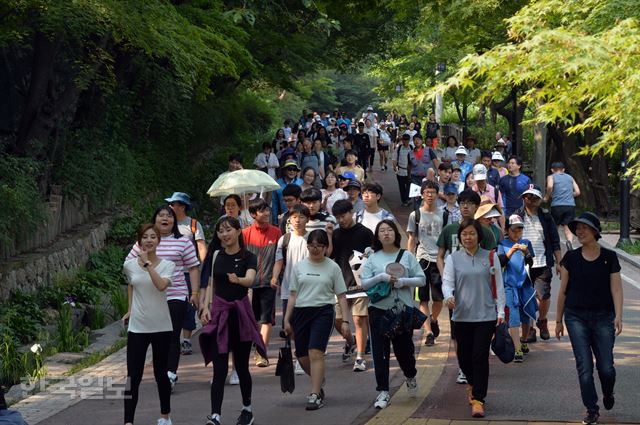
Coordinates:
[284,368]
[414,317]
[502,344]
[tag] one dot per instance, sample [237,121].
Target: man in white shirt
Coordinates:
[401,163]
[372,213]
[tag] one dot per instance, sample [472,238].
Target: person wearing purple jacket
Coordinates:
[230,323]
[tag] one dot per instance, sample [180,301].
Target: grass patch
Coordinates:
[632,248]
[95,358]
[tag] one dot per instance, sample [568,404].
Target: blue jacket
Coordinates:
[551,237]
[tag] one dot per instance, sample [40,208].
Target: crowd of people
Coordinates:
[479,244]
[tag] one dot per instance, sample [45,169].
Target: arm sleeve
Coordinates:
[199,236]
[371,282]
[279,249]
[189,255]
[168,271]
[448,278]
[416,274]
[502,255]
[252,261]
[411,224]
[293,283]
[135,250]
[499,288]
[339,286]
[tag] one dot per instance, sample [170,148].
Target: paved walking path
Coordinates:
[542,390]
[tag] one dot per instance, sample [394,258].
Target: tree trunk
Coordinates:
[482,115]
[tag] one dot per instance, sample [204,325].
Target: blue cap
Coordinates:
[349,175]
[180,197]
[450,188]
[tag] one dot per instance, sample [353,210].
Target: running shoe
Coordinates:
[163,421]
[524,347]
[519,357]
[173,380]
[314,402]
[383,400]
[360,365]
[544,329]
[298,369]
[347,351]
[245,418]
[435,328]
[608,401]
[412,386]
[532,336]
[212,421]
[233,378]
[186,348]
[430,340]
[477,409]
[591,418]
[261,361]
[461,379]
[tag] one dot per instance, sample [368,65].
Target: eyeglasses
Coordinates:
[314,246]
[466,204]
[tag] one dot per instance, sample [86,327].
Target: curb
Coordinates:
[628,258]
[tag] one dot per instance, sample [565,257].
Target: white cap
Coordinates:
[461,150]
[493,212]
[497,156]
[317,118]
[515,220]
[479,172]
[369,108]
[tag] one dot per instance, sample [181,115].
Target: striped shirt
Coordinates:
[182,252]
[320,221]
[535,233]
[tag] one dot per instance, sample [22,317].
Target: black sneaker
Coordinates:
[430,340]
[608,401]
[347,351]
[245,418]
[435,328]
[591,418]
[314,402]
[212,421]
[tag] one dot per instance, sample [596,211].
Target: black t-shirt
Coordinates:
[358,238]
[589,286]
[360,142]
[432,129]
[238,263]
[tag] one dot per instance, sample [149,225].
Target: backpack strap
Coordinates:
[359,216]
[400,254]
[285,244]
[494,291]
[445,217]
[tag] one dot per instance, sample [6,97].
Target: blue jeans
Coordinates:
[592,332]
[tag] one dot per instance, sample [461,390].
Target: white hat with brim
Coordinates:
[497,156]
[492,213]
[461,151]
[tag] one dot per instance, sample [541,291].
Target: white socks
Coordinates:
[247,408]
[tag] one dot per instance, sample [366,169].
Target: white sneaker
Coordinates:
[173,379]
[461,379]
[298,369]
[163,421]
[383,400]
[360,365]
[412,386]
[233,378]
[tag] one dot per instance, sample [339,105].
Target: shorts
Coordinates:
[383,148]
[434,282]
[358,307]
[541,277]
[563,214]
[312,327]
[263,304]
[516,312]
[189,322]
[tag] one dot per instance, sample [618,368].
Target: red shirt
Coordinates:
[263,243]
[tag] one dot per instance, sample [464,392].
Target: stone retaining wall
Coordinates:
[30,271]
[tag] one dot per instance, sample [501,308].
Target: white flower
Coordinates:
[36,348]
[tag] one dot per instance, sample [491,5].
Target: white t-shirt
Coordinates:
[185,228]
[268,161]
[473,155]
[296,251]
[332,197]
[371,220]
[429,229]
[316,284]
[149,308]
[373,136]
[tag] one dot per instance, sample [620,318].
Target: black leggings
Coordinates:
[178,311]
[474,341]
[241,353]
[137,345]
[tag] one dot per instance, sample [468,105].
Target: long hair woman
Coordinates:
[386,247]
[315,283]
[148,320]
[175,247]
[230,324]
[468,274]
[331,192]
